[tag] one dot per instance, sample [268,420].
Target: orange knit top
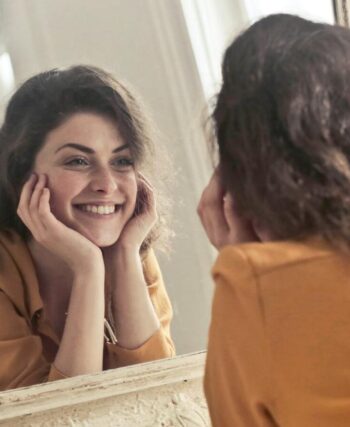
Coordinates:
[279,342]
[24,326]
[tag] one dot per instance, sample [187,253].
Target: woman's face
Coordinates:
[91,177]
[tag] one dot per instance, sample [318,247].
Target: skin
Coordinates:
[76,177]
[99,171]
[222,224]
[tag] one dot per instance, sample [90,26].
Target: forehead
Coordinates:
[90,129]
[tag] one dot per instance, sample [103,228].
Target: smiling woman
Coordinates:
[80,288]
[93,180]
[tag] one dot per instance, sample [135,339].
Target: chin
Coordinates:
[105,244]
[102,240]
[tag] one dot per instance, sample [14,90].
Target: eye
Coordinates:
[122,163]
[77,162]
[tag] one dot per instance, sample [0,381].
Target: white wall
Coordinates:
[213,24]
[317,10]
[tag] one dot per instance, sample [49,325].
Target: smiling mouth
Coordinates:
[99,209]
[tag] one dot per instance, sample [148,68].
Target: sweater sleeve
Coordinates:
[237,367]
[160,345]
[21,355]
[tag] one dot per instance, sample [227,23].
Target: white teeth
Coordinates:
[101,210]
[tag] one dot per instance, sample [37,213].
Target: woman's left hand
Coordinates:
[142,221]
[128,301]
[221,222]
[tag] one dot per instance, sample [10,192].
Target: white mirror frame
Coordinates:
[342,8]
[162,393]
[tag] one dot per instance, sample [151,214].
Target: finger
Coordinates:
[44,204]
[34,205]
[24,200]
[36,194]
[142,178]
[212,203]
[38,227]
[201,206]
[229,211]
[203,220]
[240,228]
[217,227]
[145,198]
[26,194]
[45,216]
[210,230]
[147,191]
[50,227]
[210,210]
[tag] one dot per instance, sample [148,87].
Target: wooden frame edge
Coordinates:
[72,392]
[341,12]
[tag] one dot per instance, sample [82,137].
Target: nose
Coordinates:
[103,181]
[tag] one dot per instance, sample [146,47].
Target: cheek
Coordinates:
[133,194]
[130,185]
[62,190]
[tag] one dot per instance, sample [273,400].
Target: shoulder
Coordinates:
[12,241]
[285,273]
[11,254]
[261,259]
[16,269]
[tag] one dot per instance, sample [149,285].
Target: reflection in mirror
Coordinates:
[78,221]
[80,157]
[171,56]
[161,393]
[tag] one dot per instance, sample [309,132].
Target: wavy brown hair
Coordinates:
[46,101]
[282,127]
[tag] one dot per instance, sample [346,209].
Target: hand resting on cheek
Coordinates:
[219,218]
[65,243]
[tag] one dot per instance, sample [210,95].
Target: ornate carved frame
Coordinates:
[157,394]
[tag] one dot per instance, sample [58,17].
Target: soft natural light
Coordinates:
[209,27]
[317,10]
[7,79]
[207,43]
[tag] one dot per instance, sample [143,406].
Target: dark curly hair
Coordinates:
[282,127]
[46,101]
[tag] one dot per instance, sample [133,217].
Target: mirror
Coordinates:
[170,52]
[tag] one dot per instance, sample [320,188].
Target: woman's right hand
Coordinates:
[222,224]
[67,244]
[80,350]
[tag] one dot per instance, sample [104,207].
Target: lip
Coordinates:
[99,203]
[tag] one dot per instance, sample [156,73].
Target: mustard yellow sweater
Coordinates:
[279,342]
[24,327]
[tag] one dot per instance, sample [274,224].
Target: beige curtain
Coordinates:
[342,12]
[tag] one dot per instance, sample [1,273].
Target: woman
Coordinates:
[80,288]
[278,210]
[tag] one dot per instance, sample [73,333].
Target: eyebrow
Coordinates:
[88,150]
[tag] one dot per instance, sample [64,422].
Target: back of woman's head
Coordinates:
[282,122]
[42,104]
